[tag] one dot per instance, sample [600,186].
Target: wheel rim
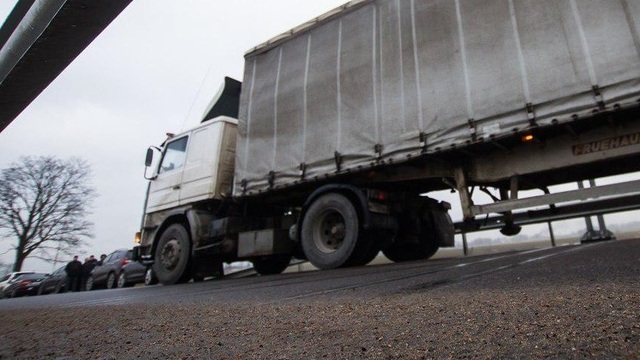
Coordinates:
[121,280]
[329,231]
[170,254]
[148,277]
[110,281]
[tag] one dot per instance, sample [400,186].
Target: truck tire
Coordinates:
[367,257]
[402,252]
[331,236]
[271,265]
[367,250]
[172,256]
[417,238]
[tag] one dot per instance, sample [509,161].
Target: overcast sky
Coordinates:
[152,71]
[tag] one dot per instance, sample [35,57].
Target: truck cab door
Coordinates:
[209,167]
[164,190]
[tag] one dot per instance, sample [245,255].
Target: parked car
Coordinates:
[9,278]
[116,270]
[131,273]
[150,277]
[54,283]
[25,284]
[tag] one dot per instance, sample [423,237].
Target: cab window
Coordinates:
[174,155]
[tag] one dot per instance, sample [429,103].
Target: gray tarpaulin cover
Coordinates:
[379,80]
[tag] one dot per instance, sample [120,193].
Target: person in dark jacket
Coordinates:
[74,273]
[87,267]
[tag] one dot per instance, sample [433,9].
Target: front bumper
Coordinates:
[142,254]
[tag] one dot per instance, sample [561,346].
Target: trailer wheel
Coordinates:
[417,239]
[271,265]
[331,232]
[172,256]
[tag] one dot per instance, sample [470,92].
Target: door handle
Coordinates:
[177,187]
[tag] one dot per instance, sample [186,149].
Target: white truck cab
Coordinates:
[195,165]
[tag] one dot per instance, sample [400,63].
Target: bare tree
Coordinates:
[43,205]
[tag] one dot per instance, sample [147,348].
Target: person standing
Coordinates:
[87,267]
[74,273]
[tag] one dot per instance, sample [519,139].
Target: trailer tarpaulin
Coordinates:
[391,80]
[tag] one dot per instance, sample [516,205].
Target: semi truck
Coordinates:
[331,148]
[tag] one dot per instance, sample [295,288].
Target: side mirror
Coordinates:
[149,158]
[149,163]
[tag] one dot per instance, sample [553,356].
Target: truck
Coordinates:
[342,129]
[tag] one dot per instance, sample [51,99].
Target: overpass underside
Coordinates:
[39,39]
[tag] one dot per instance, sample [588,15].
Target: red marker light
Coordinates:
[378,195]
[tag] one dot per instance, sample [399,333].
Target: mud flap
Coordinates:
[443,228]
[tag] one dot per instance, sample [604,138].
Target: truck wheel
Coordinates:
[271,265]
[416,239]
[410,251]
[172,256]
[331,232]
[367,256]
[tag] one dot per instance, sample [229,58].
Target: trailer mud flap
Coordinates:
[443,228]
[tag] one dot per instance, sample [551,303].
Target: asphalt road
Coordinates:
[567,302]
